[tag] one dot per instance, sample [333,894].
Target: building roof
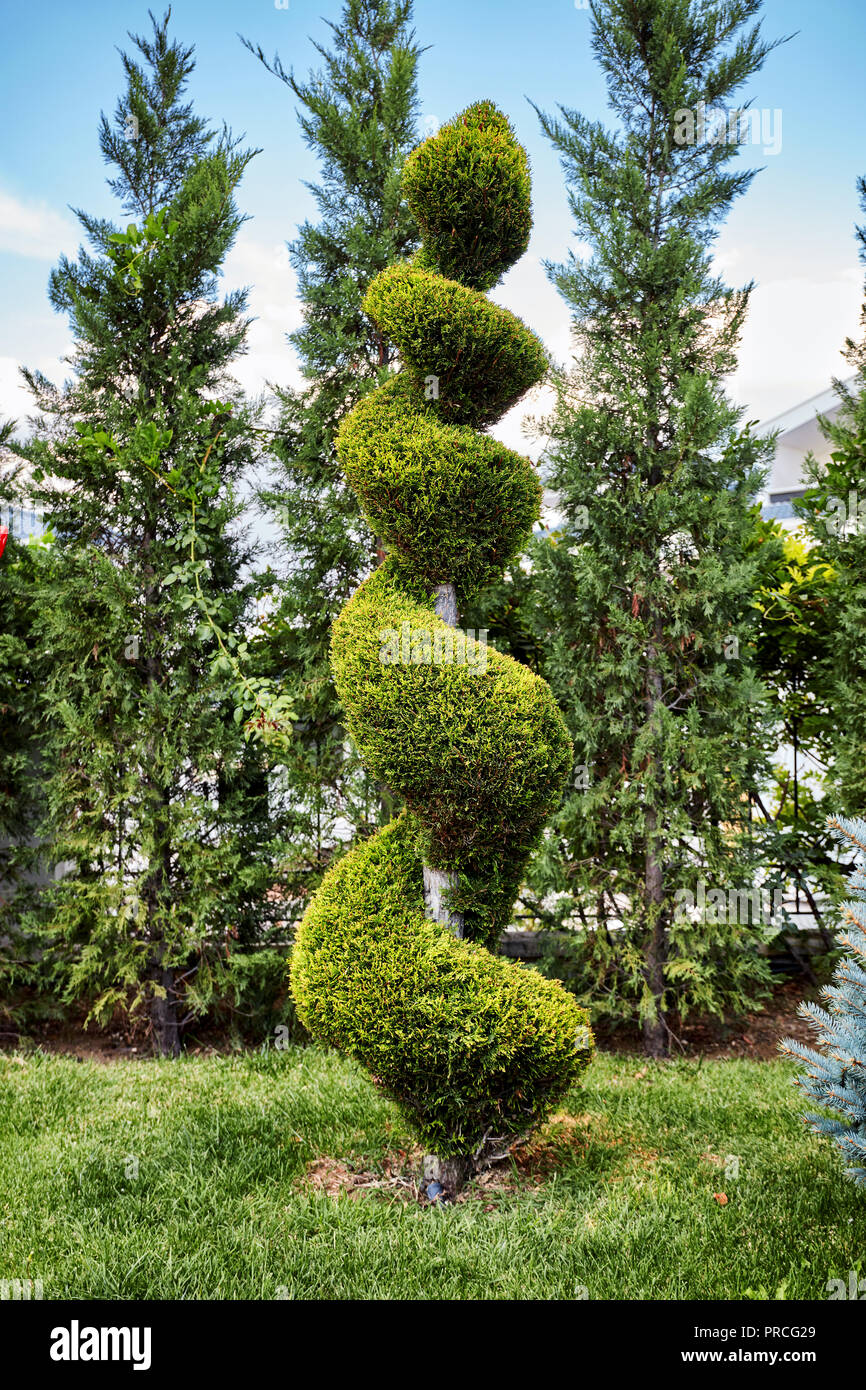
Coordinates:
[797,434]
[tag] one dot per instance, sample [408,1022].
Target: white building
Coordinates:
[799,435]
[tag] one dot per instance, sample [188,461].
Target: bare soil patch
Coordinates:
[753,1035]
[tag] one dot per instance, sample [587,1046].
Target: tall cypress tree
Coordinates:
[645,592]
[389,964]
[16,703]
[358,114]
[152,790]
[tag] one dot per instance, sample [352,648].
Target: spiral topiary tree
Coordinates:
[836,1076]
[393,961]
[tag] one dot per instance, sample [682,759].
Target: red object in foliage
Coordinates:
[4,536]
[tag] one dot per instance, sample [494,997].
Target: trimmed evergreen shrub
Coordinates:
[481,357]
[836,1076]
[469,189]
[454,504]
[474,1047]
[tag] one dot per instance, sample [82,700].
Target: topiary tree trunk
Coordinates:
[836,1076]
[473,1047]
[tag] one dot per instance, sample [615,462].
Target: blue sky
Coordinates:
[792,233]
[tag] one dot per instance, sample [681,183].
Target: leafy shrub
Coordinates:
[468,1043]
[454,504]
[247,996]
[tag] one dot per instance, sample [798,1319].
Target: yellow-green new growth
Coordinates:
[474,1047]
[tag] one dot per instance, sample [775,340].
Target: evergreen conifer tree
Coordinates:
[359,116]
[644,594]
[20,782]
[156,809]
[796,605]
[16,691]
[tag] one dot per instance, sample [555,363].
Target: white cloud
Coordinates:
[792,340]
[527,292]
[790,349]
[265,270]
[727,264]
[35,229]
[15,400]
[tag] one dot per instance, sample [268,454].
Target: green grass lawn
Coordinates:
[617,1196]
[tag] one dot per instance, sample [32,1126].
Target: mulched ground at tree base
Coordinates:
[531,1163]
[753,1035]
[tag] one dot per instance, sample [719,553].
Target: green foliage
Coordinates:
[21,786]
[457,345]
[507,609]
[155,802]
[358,116]
[137,244]
[795,598]
[474,1049]
[835,1076]
[488,750]
[467,1042]
[19,705]
[244,994]
[642,604]
[470,192]
[455,504]
[834,513]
